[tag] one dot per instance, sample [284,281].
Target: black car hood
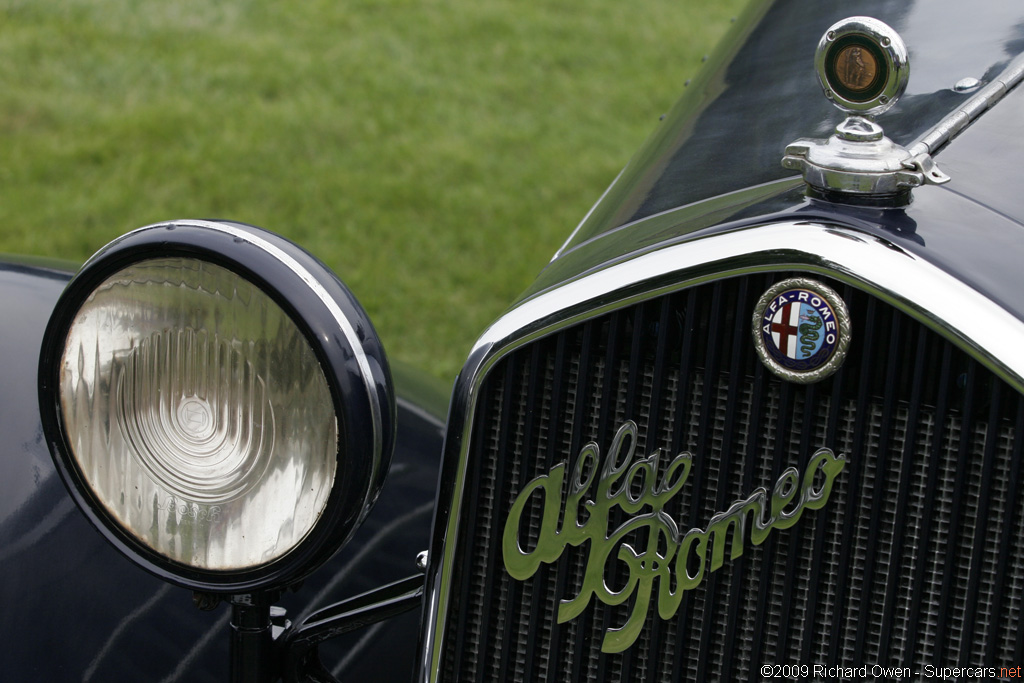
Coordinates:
[714,164]
[759,92]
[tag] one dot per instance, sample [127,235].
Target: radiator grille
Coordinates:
[916,558]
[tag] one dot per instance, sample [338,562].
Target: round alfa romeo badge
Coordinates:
[801,330]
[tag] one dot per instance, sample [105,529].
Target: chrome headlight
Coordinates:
[218,403]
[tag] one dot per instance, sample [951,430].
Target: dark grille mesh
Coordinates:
[916,558]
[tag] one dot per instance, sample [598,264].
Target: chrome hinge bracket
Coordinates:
[924,165]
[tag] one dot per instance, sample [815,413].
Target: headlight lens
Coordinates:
[195,407]
[217,403]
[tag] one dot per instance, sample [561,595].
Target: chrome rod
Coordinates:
[950,126]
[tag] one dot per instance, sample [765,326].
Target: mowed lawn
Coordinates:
[434,153]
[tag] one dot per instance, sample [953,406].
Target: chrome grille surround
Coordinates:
[868,263]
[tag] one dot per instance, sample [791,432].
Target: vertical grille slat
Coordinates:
[850,584]
[530,601]
[713,645]
[914,559]
[891,628]
[656,674]
[564,403]
[866,625]
[575,663]
[954,530]
[1003,585]
[706,470]
[685,382]
[979,597]
[927,554]
[1010,536]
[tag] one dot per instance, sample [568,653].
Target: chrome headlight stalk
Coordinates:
[217,403]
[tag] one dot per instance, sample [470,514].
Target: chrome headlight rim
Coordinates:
[342,339]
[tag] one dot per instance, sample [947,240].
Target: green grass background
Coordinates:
[434,153]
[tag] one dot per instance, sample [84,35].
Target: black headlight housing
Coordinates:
[217,403]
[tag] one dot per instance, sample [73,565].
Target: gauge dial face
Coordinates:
[862,65]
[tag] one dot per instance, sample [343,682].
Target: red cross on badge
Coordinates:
[784,326]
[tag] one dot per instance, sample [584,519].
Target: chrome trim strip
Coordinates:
[918,287]
[586,218]
[317,289]
[951,125]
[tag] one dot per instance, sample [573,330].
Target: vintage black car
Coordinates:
[761,417]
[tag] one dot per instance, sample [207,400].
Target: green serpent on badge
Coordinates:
[809,334]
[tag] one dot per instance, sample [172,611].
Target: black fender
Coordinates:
[74,609]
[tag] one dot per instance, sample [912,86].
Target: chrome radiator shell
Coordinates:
[920,296]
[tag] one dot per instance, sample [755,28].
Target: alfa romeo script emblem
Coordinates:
[801,330]
[658,558]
